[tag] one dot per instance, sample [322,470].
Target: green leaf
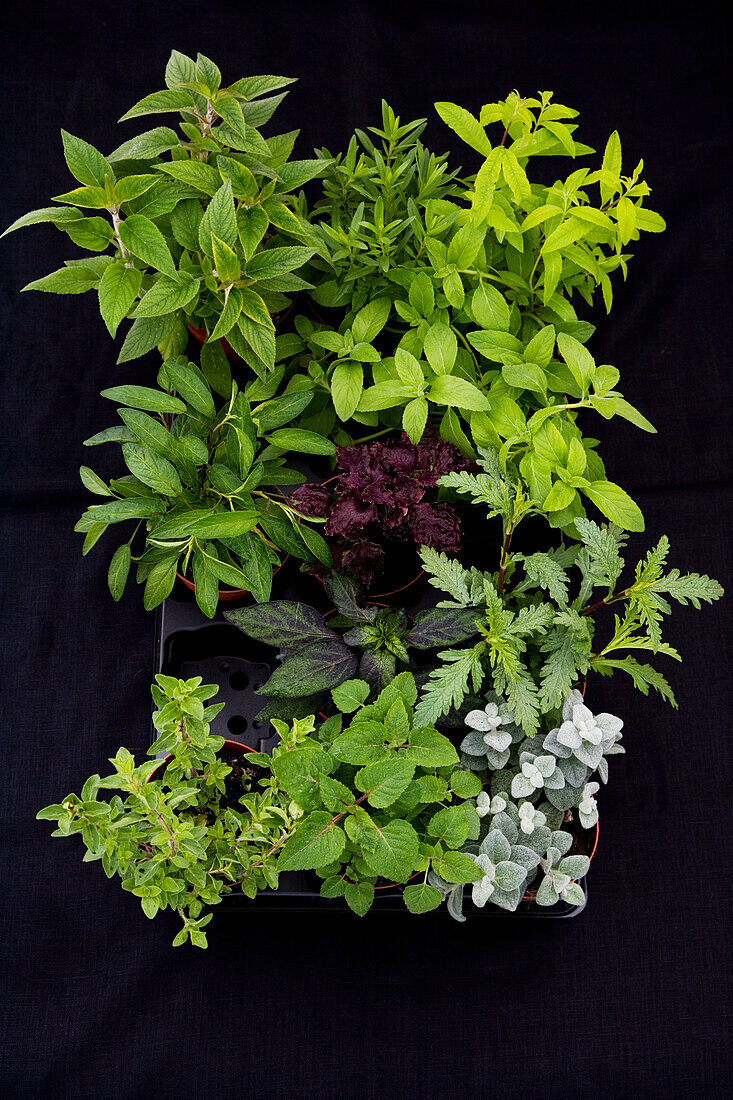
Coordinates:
[465,784]
[86,163]
[94,198]
[315,843]
[147,145]
[616,504]
[191,385]
[225,261]
[143,397]
[143,238]
[447,389]
[93,482]
[144,334]
[347,386]
[559,497]
[277,261]
[117,511]
[441,348]
[414,418]
[395,849]
[296,439]
[119,568]
[299,771]
[67,280]
[350,695]
[359,897]
[207,523]
[422,294]
[421,898]
[370,320]
[252,225]
[457,867]
[219,219]
[159,103]
[168,294]
[152,469]
[489,308]
[525,376]
[159,583]
[131,187]
[463,123]
[55,214]
[118,289]
[384,781]
[207,586]
[450,826]
[578,359]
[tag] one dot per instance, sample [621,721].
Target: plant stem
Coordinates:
[503,561]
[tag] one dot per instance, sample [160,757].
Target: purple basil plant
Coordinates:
[385,492]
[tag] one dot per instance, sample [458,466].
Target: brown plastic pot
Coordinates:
[228,744]
[228,595]
[200,335]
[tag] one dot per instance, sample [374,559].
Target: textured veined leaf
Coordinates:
[159,103]
[118,289]
[142,237]
[167,295]
[86,163]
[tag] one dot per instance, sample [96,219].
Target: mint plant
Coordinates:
[382,799]
[181,833]
[196,226]
[204,481]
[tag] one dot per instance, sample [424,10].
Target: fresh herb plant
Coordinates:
[317,655]
[190,227]
[382,799]
[465,316]
[182,834]
[204,482]
[536,617]
[384,495]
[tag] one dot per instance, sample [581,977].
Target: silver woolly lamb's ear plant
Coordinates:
[587,807]
[560,872]
[491,733]
[584,738]
[505,868]
[537,772]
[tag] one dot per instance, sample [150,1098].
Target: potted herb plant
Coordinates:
[383,499]
[204,482]
[190,228]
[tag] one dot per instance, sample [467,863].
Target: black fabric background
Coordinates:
[629,999]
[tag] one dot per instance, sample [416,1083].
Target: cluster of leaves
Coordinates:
[469,319]
[536,637]
[204,482]
[382,798]
[380,202]
[183,832]
[200,223]
[317,655]
[510,859]
[379,496]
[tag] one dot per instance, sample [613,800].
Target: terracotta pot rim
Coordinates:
[531,897]
[227,741]
[226,594]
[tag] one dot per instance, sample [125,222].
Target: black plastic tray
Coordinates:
[188,644]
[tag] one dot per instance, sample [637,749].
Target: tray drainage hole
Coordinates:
[238,681]
[257,725]
[237,724]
